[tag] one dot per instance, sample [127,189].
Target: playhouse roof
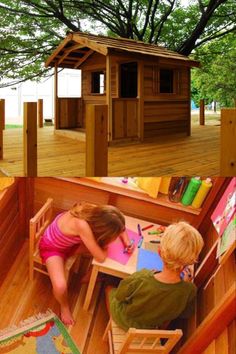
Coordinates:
[78,46]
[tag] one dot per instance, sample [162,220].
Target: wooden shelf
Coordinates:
[130,191]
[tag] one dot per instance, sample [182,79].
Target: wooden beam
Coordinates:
[30,139]
[2,113]
[140,100]
[202,112]
[40,112]
[213,325]
[56,105]
[68,51]
[96,140]
[77,65]
[227,142]
[58,49]
[100,48]
[108,96]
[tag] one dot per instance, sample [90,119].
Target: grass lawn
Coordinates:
[211,118]
[11,126]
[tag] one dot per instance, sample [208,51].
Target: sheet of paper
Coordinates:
[116,248]
[149,260]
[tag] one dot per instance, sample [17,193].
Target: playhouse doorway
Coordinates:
[128,80]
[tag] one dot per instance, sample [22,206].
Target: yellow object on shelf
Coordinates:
[202,193]
[6,182]
[150,185]
[164,186]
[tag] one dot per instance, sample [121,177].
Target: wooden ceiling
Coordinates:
[78,46]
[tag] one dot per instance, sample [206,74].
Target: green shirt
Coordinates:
[142,301]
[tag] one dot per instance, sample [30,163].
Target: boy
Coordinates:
[148,299]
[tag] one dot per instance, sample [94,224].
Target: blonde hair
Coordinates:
[105,221]
[181,244]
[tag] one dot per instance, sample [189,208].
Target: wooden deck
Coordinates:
[172,155]
[21,299]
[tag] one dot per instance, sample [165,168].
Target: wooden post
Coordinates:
[56,117]
[202,112]
[108,96]
[2,125]
[96,140]
[30,139]
[140,101]
[227,142]
[40,112]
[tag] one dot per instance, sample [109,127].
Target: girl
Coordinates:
[83,228]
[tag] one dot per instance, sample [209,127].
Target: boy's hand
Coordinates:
[187,274]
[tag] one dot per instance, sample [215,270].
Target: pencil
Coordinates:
[147,227]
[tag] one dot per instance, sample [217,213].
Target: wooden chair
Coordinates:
[37,226]
[140,341]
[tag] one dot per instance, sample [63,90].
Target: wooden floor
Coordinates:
[21,299]
[175,156]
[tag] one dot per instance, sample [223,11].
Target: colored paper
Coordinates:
[149,260]
[116,248]
[225,208]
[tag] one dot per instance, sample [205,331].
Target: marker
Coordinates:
[155,241]
[147,227]
[126,248]
[139,230]
[153,233]
[140,242]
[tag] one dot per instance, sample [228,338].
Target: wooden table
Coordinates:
[111,267]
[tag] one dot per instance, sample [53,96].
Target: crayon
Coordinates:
[139,230]
[155,241]
[153,233]
[140,242]
[147,227]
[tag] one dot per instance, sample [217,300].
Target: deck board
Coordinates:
[198,154]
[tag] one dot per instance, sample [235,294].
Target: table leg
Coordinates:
[90,289]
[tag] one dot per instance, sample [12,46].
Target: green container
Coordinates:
[191,190]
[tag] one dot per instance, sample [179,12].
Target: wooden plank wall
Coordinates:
[165,113]
[214,280]
[70,111]
[12,226]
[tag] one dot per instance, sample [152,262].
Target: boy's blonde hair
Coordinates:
[105,221]
[181,244]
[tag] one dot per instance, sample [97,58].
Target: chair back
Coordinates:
[144,341]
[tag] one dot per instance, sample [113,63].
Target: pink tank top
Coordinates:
[55,238]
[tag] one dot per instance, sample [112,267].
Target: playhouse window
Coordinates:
[128,79]
[98,82]
[166,81]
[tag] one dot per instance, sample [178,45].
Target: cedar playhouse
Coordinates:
[146,87]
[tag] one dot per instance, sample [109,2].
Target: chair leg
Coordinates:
[108,327]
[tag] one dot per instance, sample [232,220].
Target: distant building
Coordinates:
[70,86]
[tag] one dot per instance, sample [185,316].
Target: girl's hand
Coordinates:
[128,244]
[130,247]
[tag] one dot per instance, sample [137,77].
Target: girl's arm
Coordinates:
[127,242]
[89,241]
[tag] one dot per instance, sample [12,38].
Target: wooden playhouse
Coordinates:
[146,87]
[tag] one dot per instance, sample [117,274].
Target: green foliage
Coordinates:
[216,79]
[31,29]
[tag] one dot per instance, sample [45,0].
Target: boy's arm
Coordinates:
[128,286]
